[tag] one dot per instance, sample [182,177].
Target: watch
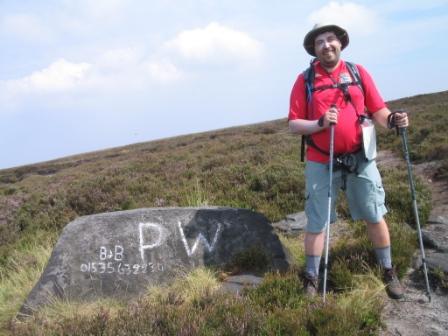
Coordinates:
[320,122]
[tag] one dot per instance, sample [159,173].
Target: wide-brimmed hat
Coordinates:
[319,28]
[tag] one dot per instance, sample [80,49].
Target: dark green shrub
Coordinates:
[350,257]
[332,318]
[279,291]
[253,259]
[399,198]
[404,243]
[285,322]
[100,194]
[440,278]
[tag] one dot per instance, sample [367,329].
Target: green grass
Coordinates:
[18,276]
[440,278]
[296,250]
[254,167]
[194,305]
[427,136]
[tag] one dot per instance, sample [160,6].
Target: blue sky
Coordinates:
[83,75]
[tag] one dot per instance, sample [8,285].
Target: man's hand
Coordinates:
[331,116]
[401,119]
[397,119]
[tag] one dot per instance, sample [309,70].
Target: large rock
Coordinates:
[438,261]
[436,236]
[120,254]
[293,224]
[437,217]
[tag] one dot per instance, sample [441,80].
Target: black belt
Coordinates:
[349,162]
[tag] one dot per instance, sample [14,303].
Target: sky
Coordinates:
[84,75]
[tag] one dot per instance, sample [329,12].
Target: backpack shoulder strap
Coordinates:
[354,72]
[308,76]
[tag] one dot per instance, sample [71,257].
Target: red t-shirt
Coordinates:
[348,137]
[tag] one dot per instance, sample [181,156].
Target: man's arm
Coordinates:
[305,127]
[381,117]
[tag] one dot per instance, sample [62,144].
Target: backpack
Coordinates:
[309,75]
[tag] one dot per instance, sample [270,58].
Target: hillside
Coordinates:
[255,167]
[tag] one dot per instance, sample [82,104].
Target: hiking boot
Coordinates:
[393,285]
[310,285]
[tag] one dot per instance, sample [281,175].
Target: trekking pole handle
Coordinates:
[399,130]
[333,106]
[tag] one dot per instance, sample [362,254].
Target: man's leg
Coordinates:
[379,234]
[314,245]
[380,238]
[316,211]
[366,198]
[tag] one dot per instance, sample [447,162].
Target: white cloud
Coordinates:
[214,43]
[164,71]
[120,57]
[123,70]
[132,68]
[355,18]
[129,68]
[58,76]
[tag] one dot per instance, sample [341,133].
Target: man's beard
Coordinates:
[330,63]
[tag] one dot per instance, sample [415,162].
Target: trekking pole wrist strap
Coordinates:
[391,120]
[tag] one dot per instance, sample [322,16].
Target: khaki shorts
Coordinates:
[364,191]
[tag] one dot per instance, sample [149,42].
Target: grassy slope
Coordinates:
[255,167]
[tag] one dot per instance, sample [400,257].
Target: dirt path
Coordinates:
[414,315]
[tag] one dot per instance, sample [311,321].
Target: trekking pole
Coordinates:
[327,235]
[404,138]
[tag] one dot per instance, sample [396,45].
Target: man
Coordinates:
[336,100]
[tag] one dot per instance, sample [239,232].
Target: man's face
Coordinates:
[328,49]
